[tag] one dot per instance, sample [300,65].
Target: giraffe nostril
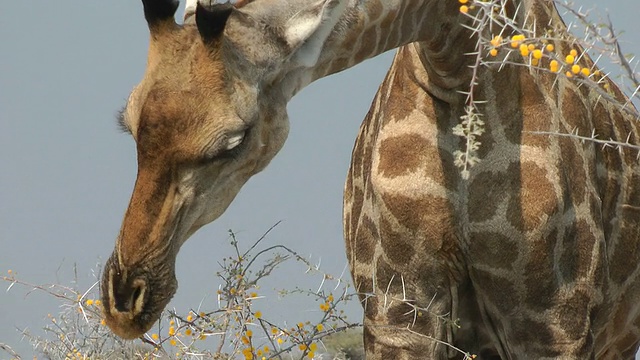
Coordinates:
[138,295]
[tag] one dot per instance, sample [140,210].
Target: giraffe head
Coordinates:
[209,113]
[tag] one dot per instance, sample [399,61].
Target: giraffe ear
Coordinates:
[267,32]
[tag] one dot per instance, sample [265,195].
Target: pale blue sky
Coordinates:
[66,67]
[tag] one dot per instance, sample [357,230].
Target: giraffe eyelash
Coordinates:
[121,121]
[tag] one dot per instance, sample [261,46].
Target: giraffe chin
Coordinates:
[125,327]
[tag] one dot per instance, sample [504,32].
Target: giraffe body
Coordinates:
[536,256]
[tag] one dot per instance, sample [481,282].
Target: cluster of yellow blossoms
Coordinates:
[535,53]
[326,306]
[182,332]
[535,50]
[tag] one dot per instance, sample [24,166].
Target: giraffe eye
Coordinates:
[227,147]
[234,140]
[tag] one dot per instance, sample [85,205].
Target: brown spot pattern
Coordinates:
[493,249]
[365,240]
[488,190]
[576,258]
[537,196]
[626,249]
[540,280]
[497,290]
[428,215]
[403,154]
[396,245]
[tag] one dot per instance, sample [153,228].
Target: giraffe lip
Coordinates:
[125,326]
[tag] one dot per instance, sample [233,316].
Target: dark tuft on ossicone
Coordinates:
[211,20]
[157,11]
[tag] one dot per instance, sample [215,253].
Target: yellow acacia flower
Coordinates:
[575,69]
[570,59]
[464,9]
[258,314]
[248,353]
[89,302]
[573,53]
[319,327]
[495,42]
[463,1]
[537,54]
[493,52]
[550,47]
[554,66]
[585,71]
[516,40]
[249,333]
[524,50]
[173,342]
[172,331]
[154,336]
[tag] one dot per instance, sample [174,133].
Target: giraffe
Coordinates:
[536,253]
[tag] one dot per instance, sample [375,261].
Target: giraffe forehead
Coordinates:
[185,121]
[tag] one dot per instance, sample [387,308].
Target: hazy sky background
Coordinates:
[66,67]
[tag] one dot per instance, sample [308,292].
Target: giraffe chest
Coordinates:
[399,205]
[405,196]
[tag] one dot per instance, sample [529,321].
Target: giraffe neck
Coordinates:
[366,29]
[369,28]
[447,49]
